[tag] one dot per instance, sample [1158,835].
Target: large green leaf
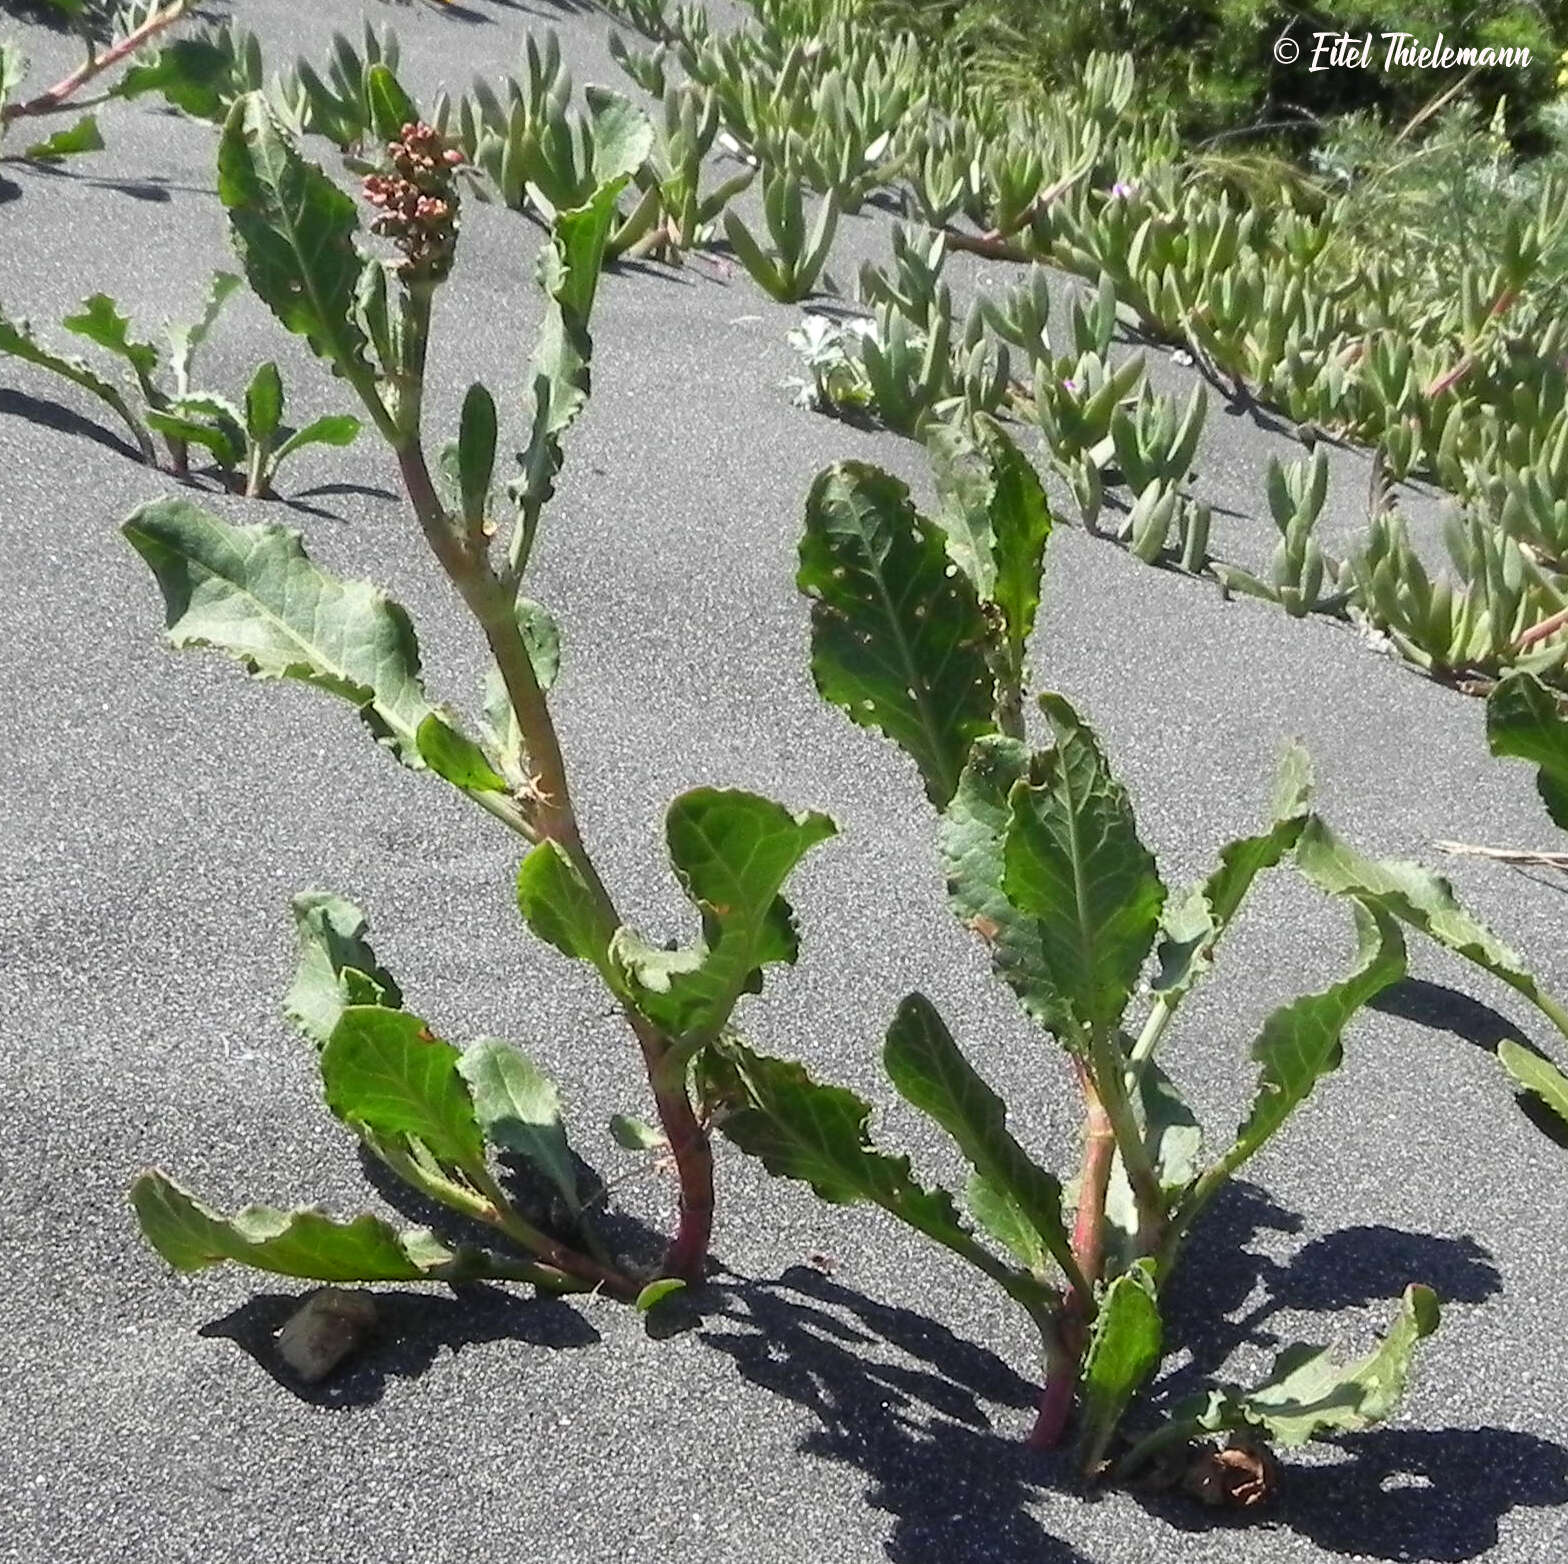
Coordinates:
[336,966]
[1124,1349]
[1420,898]
[254,593]
[928,1070]
[294,230]
[384,1071]
[1072,860]
[1301,1042]
[519,1110]
[899,638]
[1524,721]
[307,1243]
[1194,921]
[1535,1074]
[732,853]
[997,522]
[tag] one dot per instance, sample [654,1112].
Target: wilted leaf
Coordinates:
[1420,898]
[336,966]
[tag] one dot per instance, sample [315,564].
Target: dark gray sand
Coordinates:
[161,809]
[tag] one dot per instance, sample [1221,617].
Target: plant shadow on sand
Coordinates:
[919,1426]
[914,1407]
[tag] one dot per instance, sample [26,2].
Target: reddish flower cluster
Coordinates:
[418,201]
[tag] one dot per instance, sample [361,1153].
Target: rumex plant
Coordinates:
[920,629]
[426,1109]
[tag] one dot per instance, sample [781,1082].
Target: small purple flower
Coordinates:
[1122,189]
[1069,384]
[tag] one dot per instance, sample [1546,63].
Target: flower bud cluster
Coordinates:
[418,201]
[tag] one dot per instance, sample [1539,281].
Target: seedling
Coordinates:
[247,446]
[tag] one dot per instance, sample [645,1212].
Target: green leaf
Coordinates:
[455,756]
[970,837]
[1536,1075]
[252,592]
[1416,896]
[898,636]
[558,373]
[194,74]
[294,230]
[656,1292]
[391,108]
[476,441]
[192,1236]
[622,135]
[1307,1393]
[542,639]
[633,1135]
[185,340]
[558,907]
[732,853]
[83,136]
[1124,1350]
[385,1071]
[1194,921]
[1073,861]
[997,522]
[1525,722]
[1173,1139]
[818,1134]
[336,966]
[226,444]
[99,320]
[928,1071]
[264,403]
[1003,1218]
[519,1110]
[338,429]
[17,339]
[1301,1042]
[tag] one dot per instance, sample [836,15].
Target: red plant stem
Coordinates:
[58,96]
[687,1254]
[1094,1178]
[1539,632]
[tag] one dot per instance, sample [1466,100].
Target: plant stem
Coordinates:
[58,96]
[560,1257]
[1064,1353]
[1109,1069]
